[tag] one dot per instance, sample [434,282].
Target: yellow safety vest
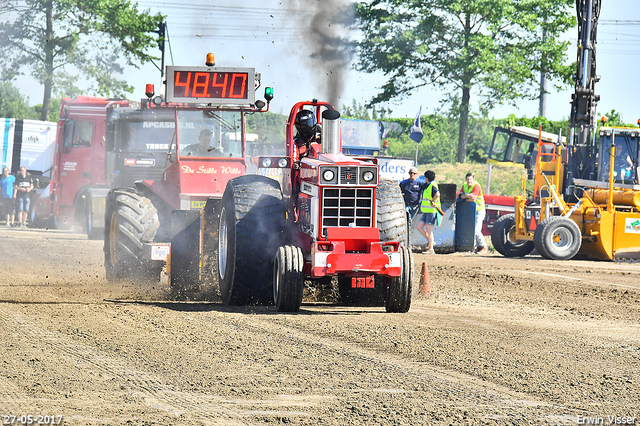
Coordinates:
[479,200]
[427,196]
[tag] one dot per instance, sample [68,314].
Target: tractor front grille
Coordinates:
[348,175]
[347,207]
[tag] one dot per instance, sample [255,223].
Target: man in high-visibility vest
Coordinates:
[429,208]
[472,192]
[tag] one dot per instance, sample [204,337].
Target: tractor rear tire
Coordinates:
[557,238]
[131,220]
[252,228]
[288,279]
[392,215]
[504,241]
[400,289]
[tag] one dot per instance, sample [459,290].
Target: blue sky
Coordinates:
[264,35]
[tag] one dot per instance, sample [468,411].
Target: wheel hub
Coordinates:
[562,239]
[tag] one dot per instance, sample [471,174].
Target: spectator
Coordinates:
[385,147]
[429,207]
[22,194]
[7,182]
[472,192]
[411,189]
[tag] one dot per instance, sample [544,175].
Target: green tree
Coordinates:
[13,104]
[270,128]
[361,112]
[55,39]
[614,119]
[493,48]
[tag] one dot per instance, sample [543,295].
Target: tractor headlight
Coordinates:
[282,163]
[368,175]
[266,163]
[328,175]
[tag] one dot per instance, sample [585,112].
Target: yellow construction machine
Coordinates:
[586,198]
[600,218]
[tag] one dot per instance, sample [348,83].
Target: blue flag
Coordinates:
[416,130]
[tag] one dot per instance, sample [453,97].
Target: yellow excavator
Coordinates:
[586,197]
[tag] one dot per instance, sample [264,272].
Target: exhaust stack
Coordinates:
[331,143]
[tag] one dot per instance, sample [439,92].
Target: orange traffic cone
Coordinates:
[425,285]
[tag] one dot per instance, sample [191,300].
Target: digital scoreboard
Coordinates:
[211,85]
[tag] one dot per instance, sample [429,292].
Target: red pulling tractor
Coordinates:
[332,217]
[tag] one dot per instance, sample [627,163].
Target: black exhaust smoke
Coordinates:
[326,26]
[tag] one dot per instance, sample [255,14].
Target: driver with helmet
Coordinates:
[308,133]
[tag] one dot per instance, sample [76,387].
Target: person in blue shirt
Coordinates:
[6,183]
[411,189]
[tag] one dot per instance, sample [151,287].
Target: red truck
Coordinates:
[78,173]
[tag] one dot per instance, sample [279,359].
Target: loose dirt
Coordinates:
[496,342]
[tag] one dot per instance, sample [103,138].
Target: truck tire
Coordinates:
[392,215]
[503,238]
[288,279]
[400,290]
[251,229]
[131,220]
[557,238]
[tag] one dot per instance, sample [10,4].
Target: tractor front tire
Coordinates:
[557,238]
[503,238]
[400,289]
[252,228]
[131,220]
[288,279]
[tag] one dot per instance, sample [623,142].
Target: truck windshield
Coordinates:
[148,135]
[210,134]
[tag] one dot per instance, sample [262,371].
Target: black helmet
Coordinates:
[306,123]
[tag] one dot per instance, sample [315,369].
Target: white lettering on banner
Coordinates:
[394,168]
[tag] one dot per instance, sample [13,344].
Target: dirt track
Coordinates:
[498,341]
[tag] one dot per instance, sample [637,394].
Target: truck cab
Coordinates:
[79,162]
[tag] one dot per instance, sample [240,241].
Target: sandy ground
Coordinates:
[496,342]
